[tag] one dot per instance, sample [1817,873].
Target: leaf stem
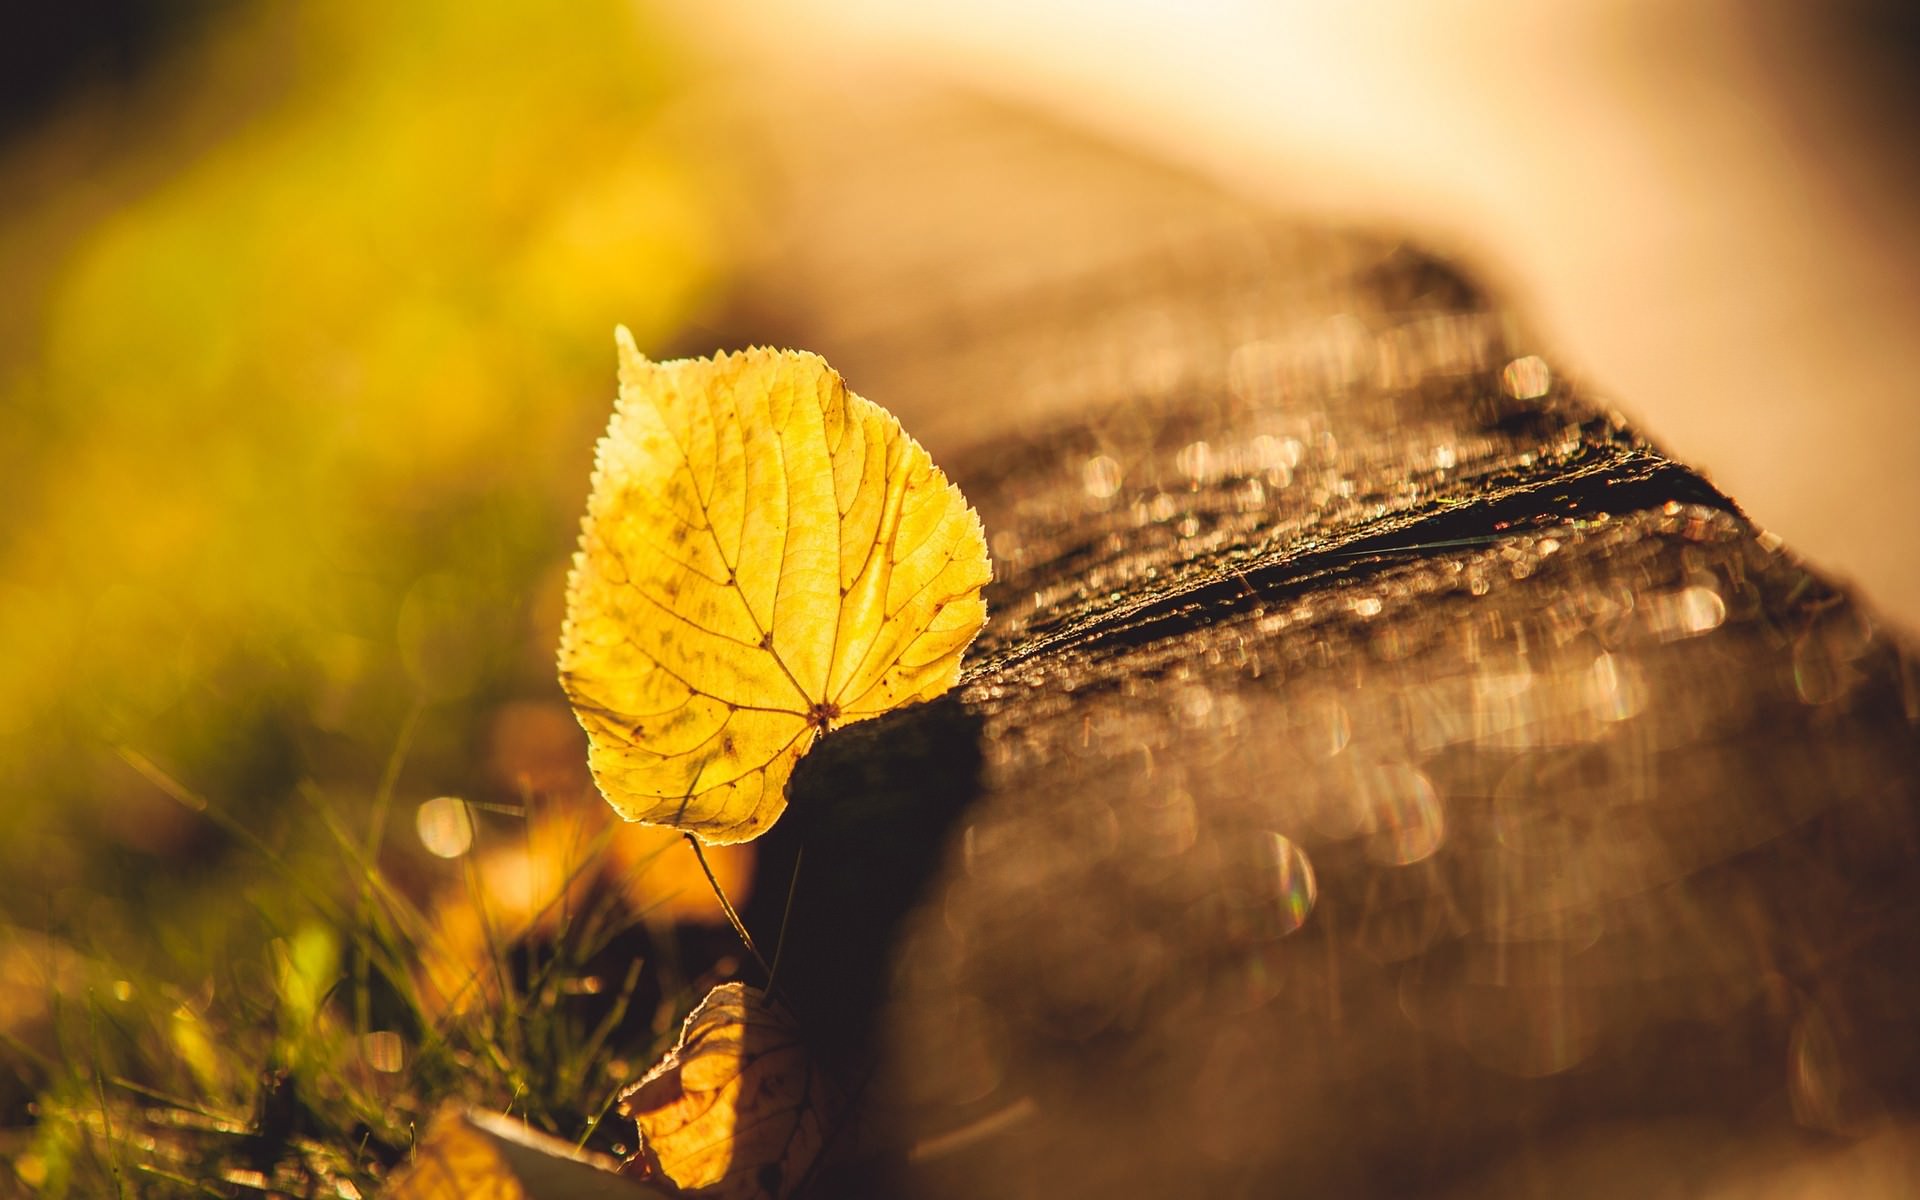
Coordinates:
[726,906]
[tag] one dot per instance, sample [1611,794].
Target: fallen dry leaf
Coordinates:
[738,1110]
[470,1155]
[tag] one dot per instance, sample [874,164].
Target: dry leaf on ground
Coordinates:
[470,1155]
[738,1110]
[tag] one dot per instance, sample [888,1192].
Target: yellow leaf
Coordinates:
[765,556]
[736,1110]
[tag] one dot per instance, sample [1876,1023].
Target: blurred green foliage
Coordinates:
[302,430]
[299,414]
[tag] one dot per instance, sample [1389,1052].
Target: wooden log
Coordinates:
[1384,771]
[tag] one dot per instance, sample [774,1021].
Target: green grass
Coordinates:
[311,1066]
[310,347]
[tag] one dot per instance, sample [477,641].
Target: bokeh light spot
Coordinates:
[1100,475]
[383,1051]
[445,826]
[1526,378]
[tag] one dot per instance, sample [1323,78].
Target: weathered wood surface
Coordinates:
[1375,778]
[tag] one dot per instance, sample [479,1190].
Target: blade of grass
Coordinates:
[100,1089]
[390,776]
[376,834]
[198,1187]
[508,1001]
[780,940]
[414,924]
[179,1103]
[28,1052]
[575,1069]
[197,803]
[613,1098]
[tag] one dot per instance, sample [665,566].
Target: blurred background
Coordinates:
[1707,210]
[305,338]
[306,343]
